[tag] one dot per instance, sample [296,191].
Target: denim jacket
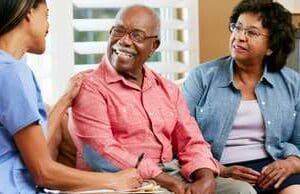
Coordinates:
[213,100]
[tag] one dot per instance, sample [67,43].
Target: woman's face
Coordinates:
[249,41]
[38,20]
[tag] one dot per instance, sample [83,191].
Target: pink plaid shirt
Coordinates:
[120,121]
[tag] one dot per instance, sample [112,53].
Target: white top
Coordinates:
[246,139]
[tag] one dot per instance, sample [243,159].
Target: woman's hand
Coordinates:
[126,179]
[74,86]
[276,172]
[241,173]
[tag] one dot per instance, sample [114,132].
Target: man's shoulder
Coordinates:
[163,81]
[95,75]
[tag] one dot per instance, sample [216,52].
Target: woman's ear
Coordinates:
[29,15]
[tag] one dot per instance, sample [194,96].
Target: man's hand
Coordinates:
[240,173]
[171,183]
[204,183]
[275,173]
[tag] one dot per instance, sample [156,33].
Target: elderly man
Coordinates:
[126,115]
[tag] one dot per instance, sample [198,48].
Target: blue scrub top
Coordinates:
[21,104]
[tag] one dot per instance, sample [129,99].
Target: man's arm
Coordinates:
[192,150]
[204,182]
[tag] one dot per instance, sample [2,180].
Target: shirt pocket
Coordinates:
[286,116]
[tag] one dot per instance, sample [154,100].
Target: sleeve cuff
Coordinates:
[148,169]
[190,167]
[291,150]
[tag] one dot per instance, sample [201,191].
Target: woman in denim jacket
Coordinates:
[248,104]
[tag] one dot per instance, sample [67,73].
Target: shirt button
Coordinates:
[263,102]
[269,122]
[201,110]
[294,114]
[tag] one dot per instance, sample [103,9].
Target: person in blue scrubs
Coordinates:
[25,162]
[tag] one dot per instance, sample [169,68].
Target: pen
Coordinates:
[140,158]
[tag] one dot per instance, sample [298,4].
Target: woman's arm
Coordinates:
[55,115]
[48,173]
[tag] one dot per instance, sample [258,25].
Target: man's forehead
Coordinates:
[135,21]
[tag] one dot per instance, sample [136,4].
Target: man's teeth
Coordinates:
[123,53]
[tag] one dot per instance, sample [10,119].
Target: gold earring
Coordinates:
[269,52]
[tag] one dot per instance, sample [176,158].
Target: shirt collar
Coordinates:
[268,77]
[112,76]
[226,75]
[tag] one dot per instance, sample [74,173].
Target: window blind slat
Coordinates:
[93,24]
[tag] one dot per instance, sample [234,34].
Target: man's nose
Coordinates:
[125,40]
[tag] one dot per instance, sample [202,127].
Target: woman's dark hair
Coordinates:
[278,21]
[12,12]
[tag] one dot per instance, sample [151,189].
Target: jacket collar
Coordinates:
[226,74]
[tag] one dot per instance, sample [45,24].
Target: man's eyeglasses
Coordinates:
[134,35]
[251,33]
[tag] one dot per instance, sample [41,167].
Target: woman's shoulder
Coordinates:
[209,69]
[290,76]
[213,65]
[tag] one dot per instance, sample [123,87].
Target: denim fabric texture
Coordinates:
[213,99]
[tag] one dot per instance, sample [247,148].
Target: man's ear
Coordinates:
[155,45]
